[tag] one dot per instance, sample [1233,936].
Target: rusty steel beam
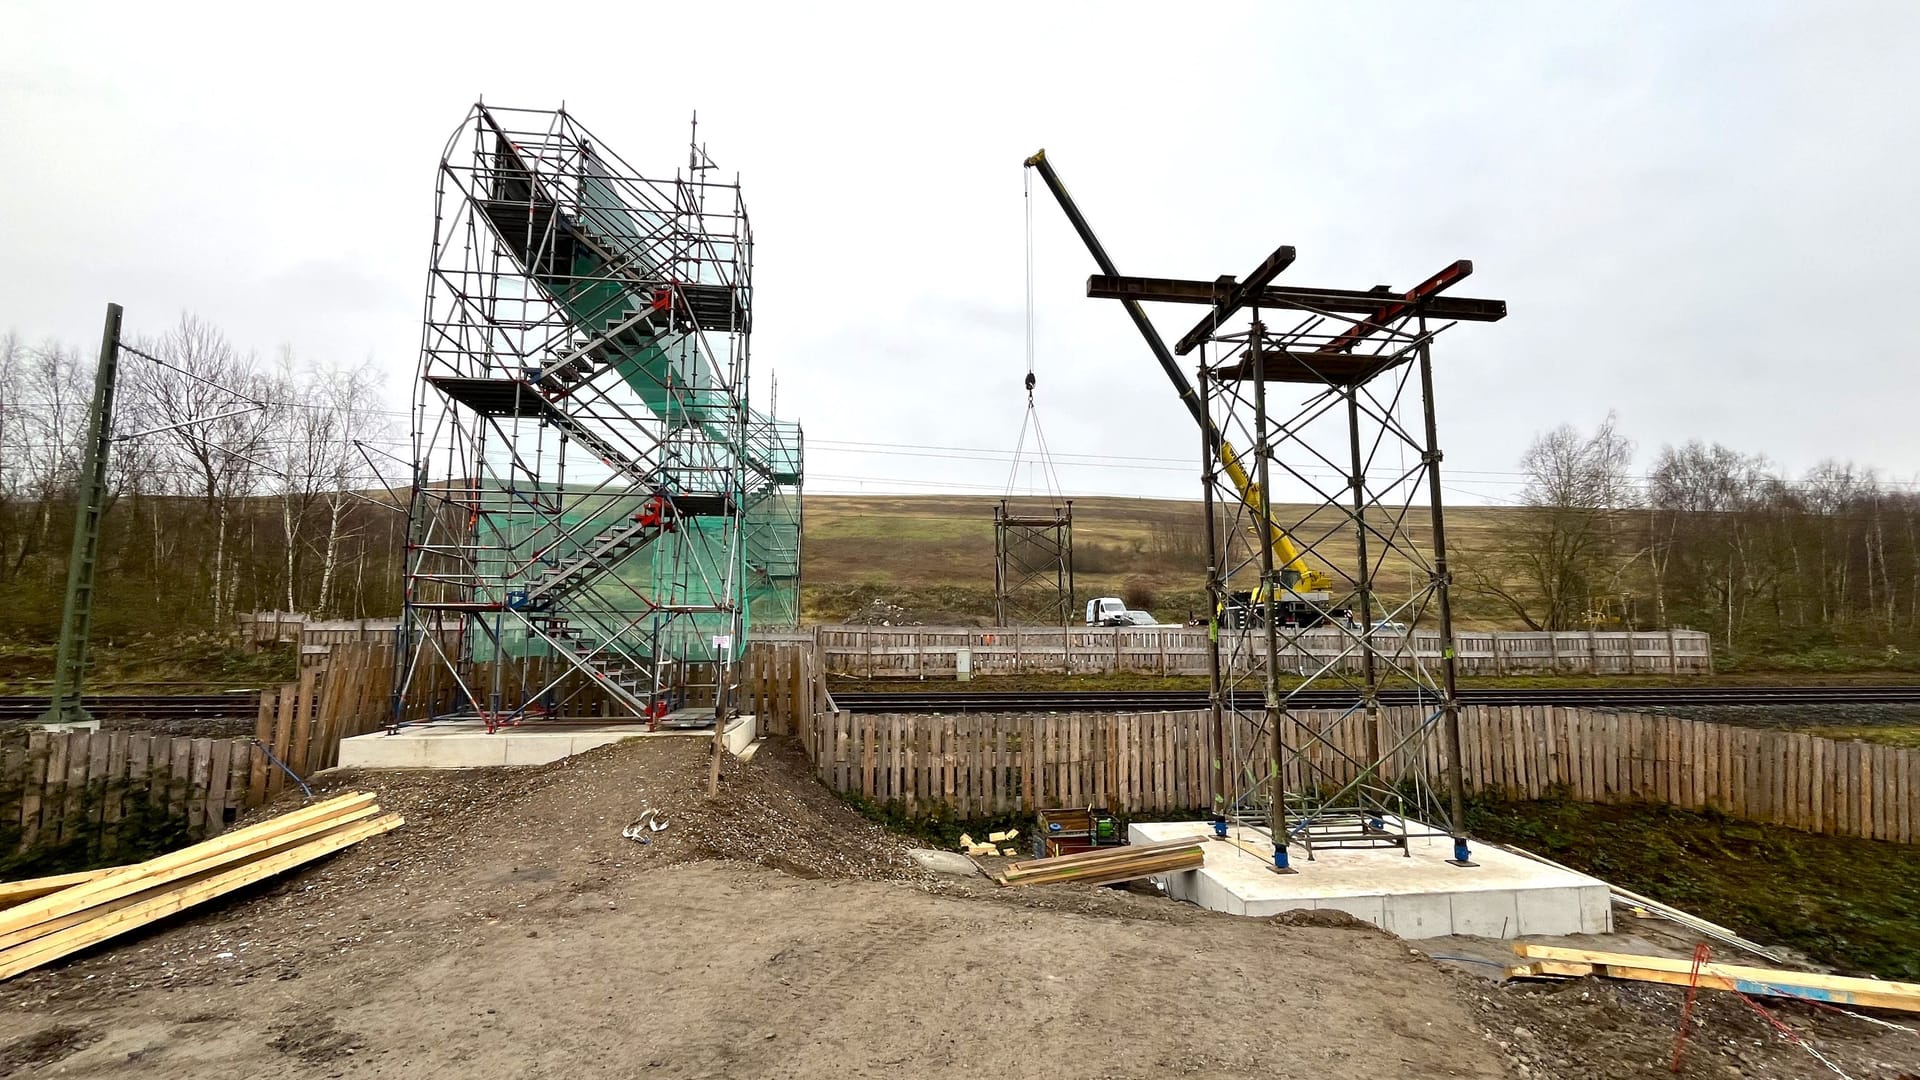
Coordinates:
[1459,271]
[1234,297]
[1342,301]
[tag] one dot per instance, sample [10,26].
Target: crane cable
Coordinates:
[1031,421]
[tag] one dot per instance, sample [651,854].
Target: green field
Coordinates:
[933,554]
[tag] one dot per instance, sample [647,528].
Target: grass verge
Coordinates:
[1845,902]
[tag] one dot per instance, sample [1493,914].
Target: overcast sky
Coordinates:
[1702,215]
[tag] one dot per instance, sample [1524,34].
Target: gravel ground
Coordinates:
[508,931]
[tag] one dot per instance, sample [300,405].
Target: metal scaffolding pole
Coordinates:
[1282,576]
[1450,704]
[599,517]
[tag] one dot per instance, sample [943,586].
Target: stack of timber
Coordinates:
[1109,866]
[1546,961]
[54,917]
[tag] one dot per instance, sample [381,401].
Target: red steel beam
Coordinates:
[1359,331]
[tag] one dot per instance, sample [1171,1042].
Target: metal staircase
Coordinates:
[606,497]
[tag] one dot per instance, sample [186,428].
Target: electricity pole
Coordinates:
[90,503]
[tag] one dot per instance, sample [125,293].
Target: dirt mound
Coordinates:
[548,836]
[1324,917]
[769,811]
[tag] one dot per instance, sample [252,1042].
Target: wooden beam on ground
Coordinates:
[78,904]
[240,843]
[16,892]
[166,902]
[1098,855]
[1115,872]
[1810,986]
[1110,866]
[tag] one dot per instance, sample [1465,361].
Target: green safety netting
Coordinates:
[606,278]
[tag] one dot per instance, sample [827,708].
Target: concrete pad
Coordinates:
[950,863]
[466,744]
[1414,894]
[1493,913]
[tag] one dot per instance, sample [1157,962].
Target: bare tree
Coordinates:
[1569,549]
[208,400]
[351,397]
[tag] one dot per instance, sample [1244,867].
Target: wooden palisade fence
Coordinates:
[979,765]
[933,652]
[783,685]
[86,787]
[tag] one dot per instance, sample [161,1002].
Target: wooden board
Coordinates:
[165,902]
[1834,989]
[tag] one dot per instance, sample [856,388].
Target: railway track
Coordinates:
[244,704]
[234,705]
[1586,697]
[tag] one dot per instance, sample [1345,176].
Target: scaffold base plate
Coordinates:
[1414,894]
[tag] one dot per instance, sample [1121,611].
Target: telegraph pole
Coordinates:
[90,503]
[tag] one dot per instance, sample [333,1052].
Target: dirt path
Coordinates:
[508,931]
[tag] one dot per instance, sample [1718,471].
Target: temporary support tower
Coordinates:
[598,518]
[1340,405]
[1033,562]
[1321,399]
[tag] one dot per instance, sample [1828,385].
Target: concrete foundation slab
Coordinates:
[1414,895]
[466,744]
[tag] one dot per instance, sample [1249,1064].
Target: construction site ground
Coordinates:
[508,930]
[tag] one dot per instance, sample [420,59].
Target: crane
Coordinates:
[1309,589]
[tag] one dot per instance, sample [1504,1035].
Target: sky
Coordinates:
[1700,215]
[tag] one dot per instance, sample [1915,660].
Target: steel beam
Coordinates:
[1341,301]
[1401,307]
[1235,297]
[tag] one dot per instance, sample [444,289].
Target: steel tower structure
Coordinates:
[597,517]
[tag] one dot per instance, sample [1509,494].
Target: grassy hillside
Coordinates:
[933,554]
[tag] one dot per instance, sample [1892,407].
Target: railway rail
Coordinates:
[244,704]
[1585,697]
[232,705]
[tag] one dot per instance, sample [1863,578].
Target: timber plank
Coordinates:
[285,700]
[33,794]
[95,783]
[1817,809]
[299,743]
[219,768]
[114,805]
[94,931]
[54,817]
[1830,988]
[240,844]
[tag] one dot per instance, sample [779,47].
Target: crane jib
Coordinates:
[1289,557]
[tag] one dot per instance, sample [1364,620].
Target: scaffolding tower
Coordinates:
[598,518]
[1323,402]
[1033,562]
[1338,402]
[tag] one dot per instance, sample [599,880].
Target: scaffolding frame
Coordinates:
[597,515]
[1033,563]
[1355,361]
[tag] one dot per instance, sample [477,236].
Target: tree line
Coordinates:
[234,484]
[239,484]
[1710,537]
